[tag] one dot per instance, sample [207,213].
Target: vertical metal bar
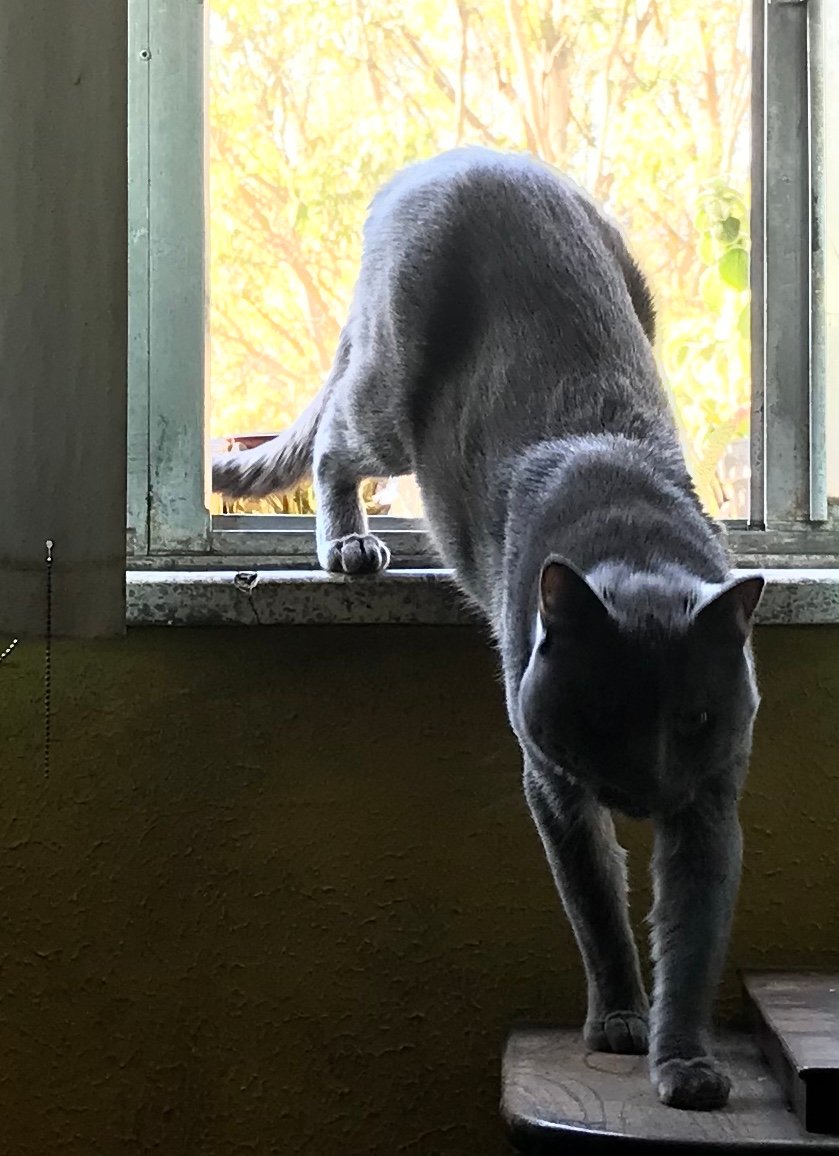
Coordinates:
[206,398]
[757,491]
[830,224]
[138,277]
[818,423]
[787,265]
[179,521]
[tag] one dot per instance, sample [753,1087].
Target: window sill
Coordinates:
[411,597]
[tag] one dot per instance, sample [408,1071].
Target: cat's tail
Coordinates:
[285,460]
[278,464]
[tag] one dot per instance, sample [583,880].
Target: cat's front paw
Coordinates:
[624,1032]
[698,1084]
[355,554]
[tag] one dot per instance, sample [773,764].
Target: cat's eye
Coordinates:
[692,723]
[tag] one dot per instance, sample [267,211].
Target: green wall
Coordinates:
[281,894]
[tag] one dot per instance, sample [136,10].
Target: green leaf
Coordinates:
[729,230]
[734,268]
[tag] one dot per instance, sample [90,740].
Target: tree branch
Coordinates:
[460,96]
[446,87]
[534,119]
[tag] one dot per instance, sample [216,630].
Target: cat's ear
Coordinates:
[566,598]
[729,613]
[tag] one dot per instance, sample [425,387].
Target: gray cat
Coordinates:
[499,347]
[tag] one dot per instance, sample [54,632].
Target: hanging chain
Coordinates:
[9,649]
[48,661]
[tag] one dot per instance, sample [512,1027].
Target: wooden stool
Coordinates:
[559,1100]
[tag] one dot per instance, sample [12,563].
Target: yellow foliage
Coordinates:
[314,103]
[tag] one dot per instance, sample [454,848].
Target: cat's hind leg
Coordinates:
[588,866]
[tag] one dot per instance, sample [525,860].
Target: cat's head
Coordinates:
[641,685]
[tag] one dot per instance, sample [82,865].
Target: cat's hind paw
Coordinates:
[697,1084]
[355,554]
[623,1032]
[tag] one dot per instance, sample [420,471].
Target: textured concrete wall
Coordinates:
[281,894]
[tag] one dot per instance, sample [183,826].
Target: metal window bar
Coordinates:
[138,278]
[169,522]
[816,54]
[793,394]
[757,430]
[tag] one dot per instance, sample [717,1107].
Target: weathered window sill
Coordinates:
[415,597]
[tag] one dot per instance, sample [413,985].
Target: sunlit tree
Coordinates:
[314,103]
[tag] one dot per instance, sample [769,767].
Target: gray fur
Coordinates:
[499,347]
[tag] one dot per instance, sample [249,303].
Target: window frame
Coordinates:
[169,523]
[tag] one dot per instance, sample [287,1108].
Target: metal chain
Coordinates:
[9,649]
[48,662]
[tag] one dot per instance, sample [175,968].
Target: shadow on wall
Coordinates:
[281,893]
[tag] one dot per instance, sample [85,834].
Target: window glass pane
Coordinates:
[314,103]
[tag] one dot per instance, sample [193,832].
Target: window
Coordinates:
[263,130]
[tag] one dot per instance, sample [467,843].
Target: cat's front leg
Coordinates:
[344,542]
[696,873]
[588,866]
